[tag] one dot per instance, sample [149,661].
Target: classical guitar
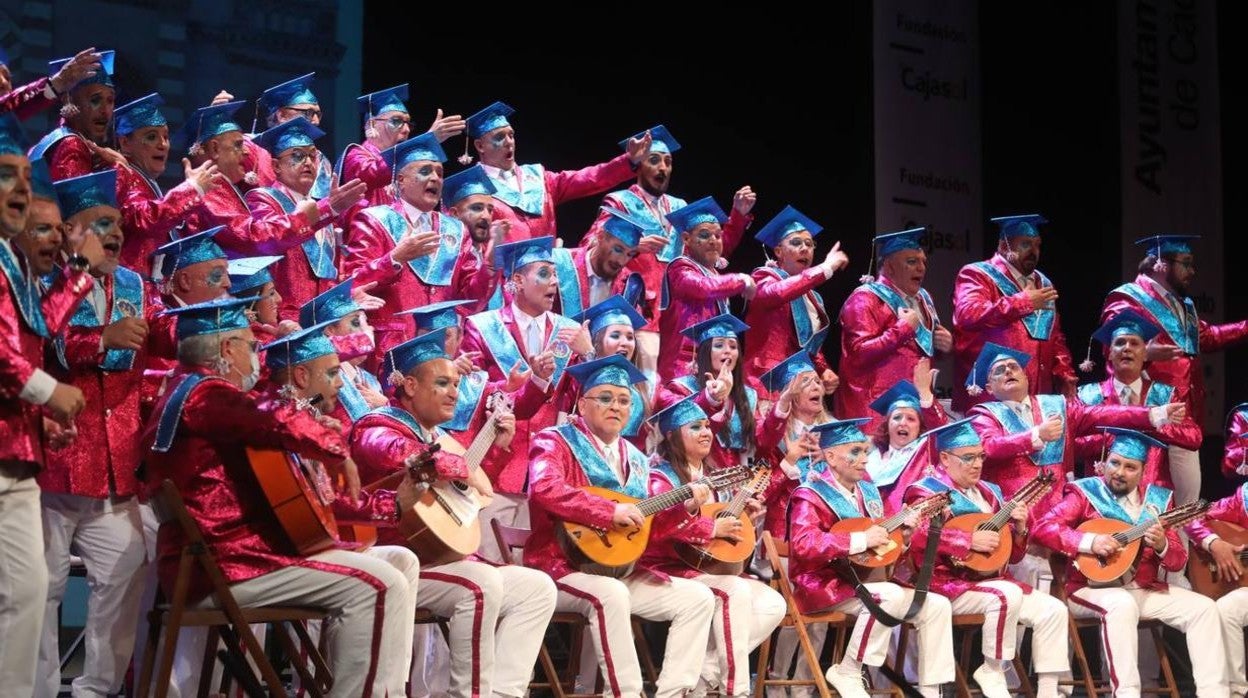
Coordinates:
[612,553]
[1201,570]
[722,556]
[887,554]
[991,563]
[301,495]
[1100,570]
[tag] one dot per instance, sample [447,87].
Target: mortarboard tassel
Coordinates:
[255,115]
[973,389]
[1160,265]
[251,178]
[69,110]
[394,378]
[1087,364]
[870,275]
[197,148]
[370,131]
[465,159]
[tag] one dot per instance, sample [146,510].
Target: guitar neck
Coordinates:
[480,445]
[1168,519]
[669,499]
[737,505]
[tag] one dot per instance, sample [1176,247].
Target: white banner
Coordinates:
[1171,148]
[928,160]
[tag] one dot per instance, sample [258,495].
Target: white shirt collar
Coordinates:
[524,319]
[294,195]
[1166,294]
[496,172]
[414,214]
[1137,386]
[852,494]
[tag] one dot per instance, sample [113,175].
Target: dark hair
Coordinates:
[1146,264]
[671,448]
[880,437]
[740,401]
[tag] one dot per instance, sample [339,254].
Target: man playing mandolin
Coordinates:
[839,493]
[1003,601]
[1140,592]
[490,608]
[1228,562]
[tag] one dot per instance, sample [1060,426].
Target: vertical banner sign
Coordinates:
[928,159]
[1171,149]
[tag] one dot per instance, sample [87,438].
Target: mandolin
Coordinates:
[1200,567]
[1101,570]
[991,563]
[888,553]
[722,556]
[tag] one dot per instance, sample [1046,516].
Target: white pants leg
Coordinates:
[1185,472]
[528,603]
[1119,614]
[1233,609]
[746,611]
[509,509]
[431,663]
[470,594]
[868,644]
[1197,617]
[23,585]
[1005,607]
[607,605]
[109,539]
[648,355]
[689,607]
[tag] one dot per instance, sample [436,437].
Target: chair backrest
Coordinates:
[509,538]
[777,555]
[1057,567]
[170,501]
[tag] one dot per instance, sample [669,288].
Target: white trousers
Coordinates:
[23,585]
[869,641]
[746,612]
[1005,606]
[1120,610]
[608,604]
[498,618]
[109,539]
[510,510]
[1185,472]
[647,355]
[1233,608]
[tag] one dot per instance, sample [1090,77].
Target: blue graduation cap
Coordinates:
[722,325]
[988,356]
[466,183]
[1130,443]
[903,393]
[843,431]
[41,180]
[1126,322]
[212,317]
[513,256]
[784,372]
[704,210]
[12,137]
[382,101]
[289,93]
[661,140]
[141,113]
[612,370]
[436,316]
[612,311]
[488,119]
[623,227]
[785,223]
[332,305]
[209,122]
[298,347]
[192,249]
[247,273]
[422,147]
[1167,244]
[103,76]
[953,435]
[78,194]
[296,133]
[678,414]
[414,352]
[889,243]
[1024,225]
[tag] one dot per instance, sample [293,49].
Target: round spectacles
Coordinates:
[308,113]
[971,458]
[605,401]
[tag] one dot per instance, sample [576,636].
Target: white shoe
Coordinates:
[991,683]
[847,684]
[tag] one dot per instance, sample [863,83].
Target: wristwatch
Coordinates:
[78,262]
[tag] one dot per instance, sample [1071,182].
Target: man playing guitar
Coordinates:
[498,615]
[588,451]
[1003,601]
[1140,593]
[833,494]
[1228,559]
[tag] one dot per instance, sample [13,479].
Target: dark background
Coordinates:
[783,103]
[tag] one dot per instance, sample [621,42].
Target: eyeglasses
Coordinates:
[396,122]
[1004,368]
[308,113]
[971,458]
[605,401]
[254,344]
[298,157]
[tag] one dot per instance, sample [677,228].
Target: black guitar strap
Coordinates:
[921,582]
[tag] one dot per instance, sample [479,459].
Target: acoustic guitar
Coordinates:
[991,563]
[301,494]
[1201,570]
[1101,570]
[887,554]
[722,556]
[612,553]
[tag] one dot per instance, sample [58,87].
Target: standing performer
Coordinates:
[77,145]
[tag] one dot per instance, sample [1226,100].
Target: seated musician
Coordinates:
[839,492]
[1121,494]
[498,615]
[588,451]
[746,610]
[1227,557]
[1003,601]
[196,439]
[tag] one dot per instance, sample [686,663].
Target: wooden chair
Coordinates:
[968,624]
[227,621]
[794,618]
[1091,685]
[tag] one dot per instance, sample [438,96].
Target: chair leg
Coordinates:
[553,680]
[144,683]
[323,677]
[763,671]
[208,662]
[811,658]
[1024,681]
[1163,656]
[649,672]
[964,658]
[235,661]
[297,663]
